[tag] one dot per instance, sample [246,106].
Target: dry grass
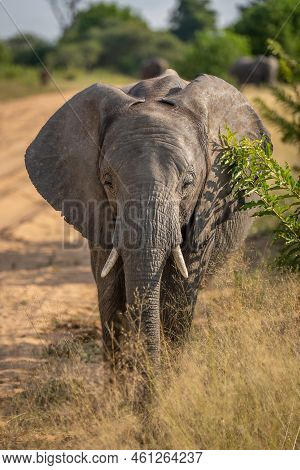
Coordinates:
[234,386]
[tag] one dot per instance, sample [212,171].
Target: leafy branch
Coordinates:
[272,188]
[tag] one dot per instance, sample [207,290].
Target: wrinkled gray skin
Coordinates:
[154,67]
[152,142]
[256,70]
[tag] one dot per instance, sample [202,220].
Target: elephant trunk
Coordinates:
[143,269]
[147,230]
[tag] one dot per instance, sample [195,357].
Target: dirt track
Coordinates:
[39,280]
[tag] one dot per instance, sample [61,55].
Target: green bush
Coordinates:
[126,46]
[83,55]
[254,171]
[106,35]
[5,55]
[265,19]
[169,47]
[17,81]
[9,70]
[100,16]
[28,52]
[213,53]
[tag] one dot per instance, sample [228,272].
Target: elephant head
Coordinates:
[146,157]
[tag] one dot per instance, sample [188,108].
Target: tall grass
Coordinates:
[235,385]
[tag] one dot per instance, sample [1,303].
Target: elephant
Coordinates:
[256,70]
[136,170]
[153,67]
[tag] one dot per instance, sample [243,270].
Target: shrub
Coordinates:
[5,55]
[122,46]
[254,171]
[126,46]
[84,55]
[213,53]
[28,52]
[100,16]
[264,19]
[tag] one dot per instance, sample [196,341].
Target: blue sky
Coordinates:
[36,16]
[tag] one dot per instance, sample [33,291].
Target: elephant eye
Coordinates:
[188,181]
[107,181]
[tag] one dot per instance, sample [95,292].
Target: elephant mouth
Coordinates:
[176,252]
[153,224]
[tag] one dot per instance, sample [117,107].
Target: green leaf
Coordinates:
[254,170]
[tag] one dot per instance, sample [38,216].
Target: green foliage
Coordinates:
[23,54]
[17,81]
[100,16]
[265,19]
[84,55]
[106,35]
[5,55]
[169,47]
[213,53]
[99,36]
[191,16]
[289,98]
[255,172]
[127,46]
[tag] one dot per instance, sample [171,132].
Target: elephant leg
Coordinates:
[111,300]
[177,305]
[179,295]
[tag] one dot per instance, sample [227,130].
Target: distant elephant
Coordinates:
[255,70]
[136,171]
[153,68]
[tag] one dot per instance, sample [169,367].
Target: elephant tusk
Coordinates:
[110,262]
[179,260]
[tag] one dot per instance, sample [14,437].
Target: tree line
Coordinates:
[108,35]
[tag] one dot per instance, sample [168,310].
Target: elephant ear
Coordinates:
[217,223]
[63,160]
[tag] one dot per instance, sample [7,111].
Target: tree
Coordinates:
[100,16]
[30,51]
[191,16]
[213,52]
[106,35]
[127,45]
[85,43]
[265,19]
[83,55]
[289,122]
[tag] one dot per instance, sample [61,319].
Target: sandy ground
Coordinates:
[40,280]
